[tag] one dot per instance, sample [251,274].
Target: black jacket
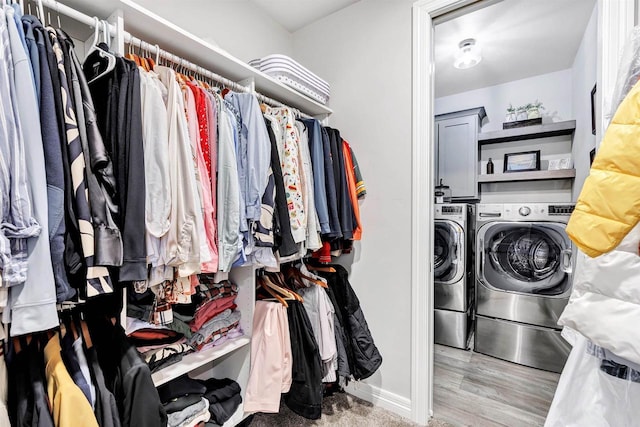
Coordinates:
[99,172]
[127,376]
[364,357]
[284,242]
[345,209]
[332,191]
[119,116]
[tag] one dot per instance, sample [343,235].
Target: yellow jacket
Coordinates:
[69,406]
[609,203]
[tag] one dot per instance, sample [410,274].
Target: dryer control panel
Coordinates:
[451,211]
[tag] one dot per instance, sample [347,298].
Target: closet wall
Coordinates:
[364,51]
[584,76]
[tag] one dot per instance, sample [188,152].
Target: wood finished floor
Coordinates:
[471,389]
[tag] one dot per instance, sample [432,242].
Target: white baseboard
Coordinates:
[385,399]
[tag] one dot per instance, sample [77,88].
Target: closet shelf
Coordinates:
[527,176]
[152,28]
[195,360]
[527,132]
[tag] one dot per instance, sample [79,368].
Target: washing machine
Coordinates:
[523,282]
[453,273]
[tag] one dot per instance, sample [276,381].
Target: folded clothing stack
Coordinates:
[160,346]
[209,319]
[294,75]
[213,315]
[185,400]
[224,399]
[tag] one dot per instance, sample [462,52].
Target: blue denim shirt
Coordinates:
[255,151]
[317,161]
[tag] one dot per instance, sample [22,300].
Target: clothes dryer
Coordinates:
[453,273]
[523,282]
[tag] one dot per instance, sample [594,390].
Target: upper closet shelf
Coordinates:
[150,27]
[195,360]
[528,132]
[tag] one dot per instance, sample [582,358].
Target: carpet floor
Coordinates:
[340,410]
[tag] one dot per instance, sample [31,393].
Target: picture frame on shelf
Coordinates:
[560,164]
[522,162]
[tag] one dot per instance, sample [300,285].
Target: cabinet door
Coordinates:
[457,152]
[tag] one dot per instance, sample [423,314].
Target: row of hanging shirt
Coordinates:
[309,336]
[150,177]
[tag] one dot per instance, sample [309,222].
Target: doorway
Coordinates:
[615,19]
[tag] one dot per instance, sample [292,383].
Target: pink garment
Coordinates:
[271,358]
[210,310]
[204,189]
[212,117]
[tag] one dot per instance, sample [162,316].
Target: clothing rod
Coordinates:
[91,22]
[74,14]
[154,48]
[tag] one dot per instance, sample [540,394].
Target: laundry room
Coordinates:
[515,131]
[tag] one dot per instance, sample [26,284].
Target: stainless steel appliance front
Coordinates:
[453,273]
[449,266]
[452,328]
[534,346]
[523,282]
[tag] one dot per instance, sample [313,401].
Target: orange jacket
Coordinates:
[351,183]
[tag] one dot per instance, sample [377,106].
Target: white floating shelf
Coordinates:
[195,360]
[528,176]
[528,132]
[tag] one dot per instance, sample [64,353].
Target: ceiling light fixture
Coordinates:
[469,54]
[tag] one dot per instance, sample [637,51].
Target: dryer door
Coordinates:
[448,252]
[528,258]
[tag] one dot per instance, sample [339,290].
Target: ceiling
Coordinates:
[518,38]
[295,14]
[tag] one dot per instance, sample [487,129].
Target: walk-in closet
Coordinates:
[329,213]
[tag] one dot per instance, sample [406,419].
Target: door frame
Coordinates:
[615,21]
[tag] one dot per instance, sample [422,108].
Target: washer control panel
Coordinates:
[523,212]
[563,210]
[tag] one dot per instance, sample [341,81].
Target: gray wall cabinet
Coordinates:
[457,151]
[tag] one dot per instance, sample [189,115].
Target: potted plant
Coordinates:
[534,110]
[511,114]
[521,113]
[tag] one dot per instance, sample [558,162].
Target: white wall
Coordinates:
[552,89]
[237,26]
[365,52]
[584,74]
